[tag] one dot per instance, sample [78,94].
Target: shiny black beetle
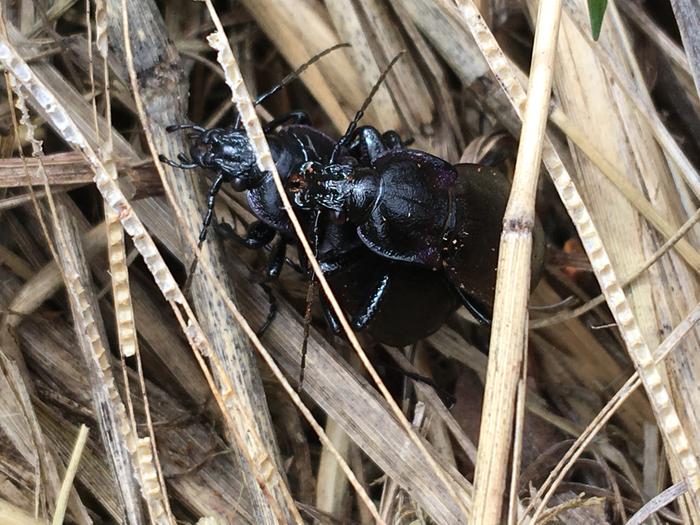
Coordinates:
[402,236]
[412,207]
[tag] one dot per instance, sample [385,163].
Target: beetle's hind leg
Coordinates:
[474,308]
[370,309]
[271,313]
[329,314]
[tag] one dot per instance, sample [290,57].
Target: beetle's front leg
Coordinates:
[211,199]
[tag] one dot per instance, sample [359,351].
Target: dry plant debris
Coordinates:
[194,418]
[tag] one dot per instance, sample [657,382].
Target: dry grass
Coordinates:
[191,415]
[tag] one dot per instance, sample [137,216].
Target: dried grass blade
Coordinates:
[688,19]
[665,412]
[62,500]
[508,344]
[658,502]
[547,489]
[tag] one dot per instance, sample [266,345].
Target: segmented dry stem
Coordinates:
[88,333]
[665,412]
[112,194]
[144,467]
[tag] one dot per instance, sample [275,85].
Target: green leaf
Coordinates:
[596,10]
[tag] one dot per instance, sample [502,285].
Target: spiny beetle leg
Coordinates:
[365,317]
[211,199]
[272,312]
[473,308]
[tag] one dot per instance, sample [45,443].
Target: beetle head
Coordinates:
[227,151]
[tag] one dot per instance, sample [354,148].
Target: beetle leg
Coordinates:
[177,127]
[293,117]
[272,312]
[211,198]
[183,166]
[257,235]
[329,314]
[372,307]
[473,308]
[277,259]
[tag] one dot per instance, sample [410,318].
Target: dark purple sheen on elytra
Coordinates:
[290,147]
[412,208]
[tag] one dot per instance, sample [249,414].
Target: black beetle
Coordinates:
[413,207]
[402,236]
[228,153]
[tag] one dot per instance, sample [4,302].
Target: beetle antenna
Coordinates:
[310,293]
[365,105]
[297,72]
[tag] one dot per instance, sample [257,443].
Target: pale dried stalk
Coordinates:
[665,412]
[146,450]
[688,18]
[119,271]
[657,503]
[614,173]
[265,163]
[115,430]
[642,104]
[331,485]
[508,344]
[546,491]
[72,468]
